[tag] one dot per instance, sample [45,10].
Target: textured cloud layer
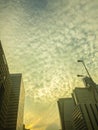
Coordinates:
[43,39]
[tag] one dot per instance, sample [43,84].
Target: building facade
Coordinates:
[5,88]
[81,111]
[14,119]
[85,116]
[11,97]
[66,106]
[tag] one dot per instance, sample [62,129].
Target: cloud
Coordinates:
[47,45]
[52,127]
[43,40]
[38,126]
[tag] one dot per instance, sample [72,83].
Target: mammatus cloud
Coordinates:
[43,40]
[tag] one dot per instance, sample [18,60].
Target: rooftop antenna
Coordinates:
[85,68]
[88,81]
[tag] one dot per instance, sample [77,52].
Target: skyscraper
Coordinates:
[14,119]
[81,111]
[85,112]
[11,97]
[5,88]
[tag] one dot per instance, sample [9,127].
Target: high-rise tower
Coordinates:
[11,97]
[81,111]
[5,88]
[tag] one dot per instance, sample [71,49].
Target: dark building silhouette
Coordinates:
[81,111]
[5,88]
[11,97]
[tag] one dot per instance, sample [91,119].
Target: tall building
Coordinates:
[11,97]
[86,106]
[5,88]
[81,111]
[66,106]
[14,119]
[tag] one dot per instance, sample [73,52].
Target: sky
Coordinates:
[43,39]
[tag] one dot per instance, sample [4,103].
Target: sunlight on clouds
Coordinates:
[43,40]
[36,118]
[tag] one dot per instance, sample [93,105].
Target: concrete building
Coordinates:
[81,111]
[85,116]
[86,106]
[66,106]
[5,88]
[11,97]
[14,119]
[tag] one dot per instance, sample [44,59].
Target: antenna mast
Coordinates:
[88,81]
[85,67]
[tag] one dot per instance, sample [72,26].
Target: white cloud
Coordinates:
[44,44]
